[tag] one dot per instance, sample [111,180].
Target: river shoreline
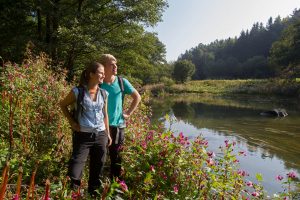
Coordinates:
[274,87]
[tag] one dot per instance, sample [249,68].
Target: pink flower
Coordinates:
[211,154]
[279,177]
[242,173]
[175,189]
[144,144]
[255,194]
[123,186]
[210,161]
[249,183]
[291,175]
[226,143]
[16,197]
[152,168]
[160,163]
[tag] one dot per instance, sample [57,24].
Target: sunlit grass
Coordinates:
[248,86]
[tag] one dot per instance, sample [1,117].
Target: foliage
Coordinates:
[246,56]
[286,51]
[183,70]
[72,32]
[35,135]
[157,164]
[285,87]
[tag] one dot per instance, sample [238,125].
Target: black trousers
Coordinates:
[84,145]
[117,135]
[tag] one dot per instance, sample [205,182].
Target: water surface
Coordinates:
[272,144]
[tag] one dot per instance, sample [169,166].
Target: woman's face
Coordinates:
[98,76]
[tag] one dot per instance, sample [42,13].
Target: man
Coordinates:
[117,115]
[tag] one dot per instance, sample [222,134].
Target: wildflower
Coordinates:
[175,189]
[16,197]
[242,173]
[249,183]
[123,186]
[181,135]
[160,163]
[242,153]
[144,144]
[279,177]
[210,161]
[152,168]
[211,154]
[291,175]
[255,194]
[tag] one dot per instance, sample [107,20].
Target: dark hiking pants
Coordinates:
[84,145]
[117,136]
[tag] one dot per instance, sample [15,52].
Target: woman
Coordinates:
[90,126]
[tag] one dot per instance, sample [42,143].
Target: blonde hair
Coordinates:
[105,58]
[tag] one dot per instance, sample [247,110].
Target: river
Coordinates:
[272,144]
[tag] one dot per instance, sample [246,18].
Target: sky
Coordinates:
[186,23]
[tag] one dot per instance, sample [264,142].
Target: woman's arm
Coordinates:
[106,123]
[68,100]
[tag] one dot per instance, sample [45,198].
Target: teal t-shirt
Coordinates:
[114,104]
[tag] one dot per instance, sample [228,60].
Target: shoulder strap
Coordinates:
[78,102]
[104,96]
[121,84]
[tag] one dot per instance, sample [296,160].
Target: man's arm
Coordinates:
[136,98]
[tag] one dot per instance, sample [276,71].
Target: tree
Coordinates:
[183,70]
[74,31]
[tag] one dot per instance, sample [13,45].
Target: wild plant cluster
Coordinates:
[35,146]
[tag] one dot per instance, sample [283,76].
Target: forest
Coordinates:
[264,51]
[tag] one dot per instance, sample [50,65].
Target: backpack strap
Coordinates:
[121,84]
[104,96]
[78,102]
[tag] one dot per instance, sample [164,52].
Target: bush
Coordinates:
[35,130]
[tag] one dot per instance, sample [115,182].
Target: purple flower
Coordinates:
[279,177]
[291,175]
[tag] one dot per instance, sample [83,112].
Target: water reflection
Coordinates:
[272,143]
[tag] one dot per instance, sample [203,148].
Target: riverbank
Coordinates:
[281,87]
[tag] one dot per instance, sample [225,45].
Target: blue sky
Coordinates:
[186,23]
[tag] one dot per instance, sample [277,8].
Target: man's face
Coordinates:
[111,67]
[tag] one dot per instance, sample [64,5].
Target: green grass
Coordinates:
[250,86]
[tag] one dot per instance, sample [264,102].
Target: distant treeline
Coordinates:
[262,52]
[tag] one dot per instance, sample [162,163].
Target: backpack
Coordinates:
[80,96]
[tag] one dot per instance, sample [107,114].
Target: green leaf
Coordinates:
[259,177]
